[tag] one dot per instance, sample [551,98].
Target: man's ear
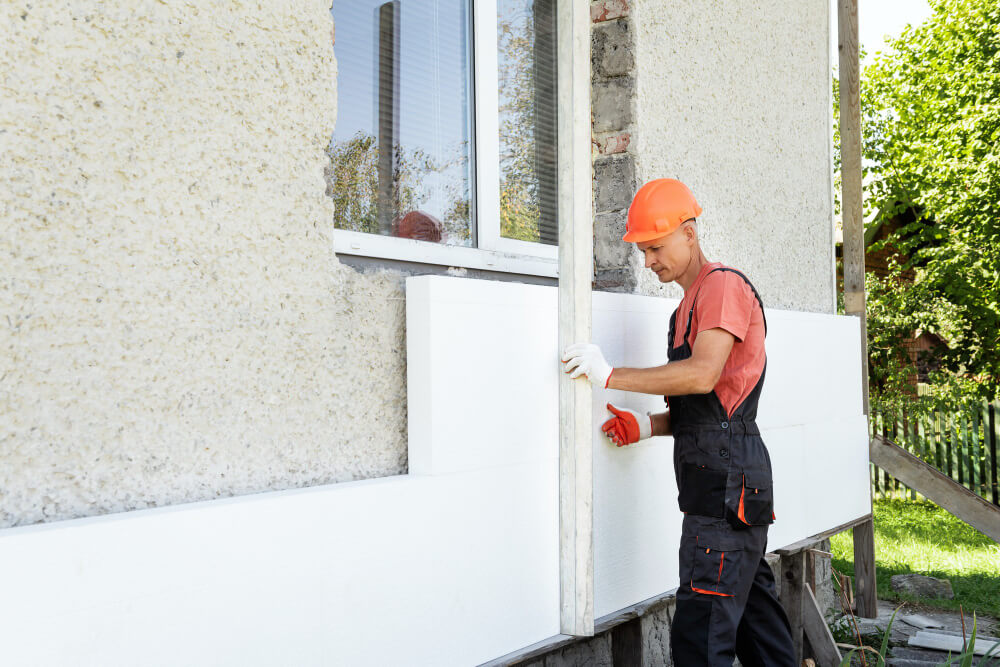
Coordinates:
[694,230]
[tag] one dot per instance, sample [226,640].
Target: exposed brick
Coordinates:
[606,10]
[611,49]
[616,143]
[616,280]
[611,103]
[614,183]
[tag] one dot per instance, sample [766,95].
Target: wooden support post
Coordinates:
[626,644]
[854,258]
[576,269]
[793,585]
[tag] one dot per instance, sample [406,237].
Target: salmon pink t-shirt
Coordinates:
[725,300]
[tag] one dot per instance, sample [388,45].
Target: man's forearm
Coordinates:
[661,423]
[685,376]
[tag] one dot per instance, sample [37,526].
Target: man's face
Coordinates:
[668,256]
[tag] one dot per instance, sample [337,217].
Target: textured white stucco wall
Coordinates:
[173,323]
[733,98]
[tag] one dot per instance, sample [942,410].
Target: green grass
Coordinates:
[920,537]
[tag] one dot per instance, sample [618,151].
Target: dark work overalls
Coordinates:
[726,603]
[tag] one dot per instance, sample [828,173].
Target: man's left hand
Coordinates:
[586,359]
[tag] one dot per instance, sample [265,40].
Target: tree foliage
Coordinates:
[931,129]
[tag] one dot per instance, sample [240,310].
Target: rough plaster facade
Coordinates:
[175,324]
[733,98]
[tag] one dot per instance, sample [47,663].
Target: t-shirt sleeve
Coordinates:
[725,300]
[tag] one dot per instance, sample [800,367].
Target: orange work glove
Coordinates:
[627,426]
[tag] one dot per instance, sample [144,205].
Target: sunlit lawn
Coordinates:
[922,538]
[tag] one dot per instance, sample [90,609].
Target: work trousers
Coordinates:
[727,604]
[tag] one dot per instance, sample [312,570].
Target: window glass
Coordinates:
[526,62]
[401,151]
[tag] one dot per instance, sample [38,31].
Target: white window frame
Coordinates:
[494,252]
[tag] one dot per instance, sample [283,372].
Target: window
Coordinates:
[445,146]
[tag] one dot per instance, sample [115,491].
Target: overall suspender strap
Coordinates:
[695,298]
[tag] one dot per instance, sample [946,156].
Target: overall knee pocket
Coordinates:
[715,564]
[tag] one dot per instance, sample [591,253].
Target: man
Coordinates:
[726,603]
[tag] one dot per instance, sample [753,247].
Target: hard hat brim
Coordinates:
[639,237]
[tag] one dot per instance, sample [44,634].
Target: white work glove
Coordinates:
[586,359]
[627,426]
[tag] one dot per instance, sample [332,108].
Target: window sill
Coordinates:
[546,263]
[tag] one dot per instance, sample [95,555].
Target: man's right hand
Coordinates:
[627,426]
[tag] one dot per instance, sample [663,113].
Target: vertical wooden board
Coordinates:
[864,569]
[984,437]
[576,271]
[793,586]
[980,462]
[938,456]
[958,445]
[923,432]
[994,485]
[913,442]
[896,435]
[952,435]
[626,644]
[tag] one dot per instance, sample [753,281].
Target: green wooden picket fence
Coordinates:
[962,445]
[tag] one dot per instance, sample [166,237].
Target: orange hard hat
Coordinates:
[658,208]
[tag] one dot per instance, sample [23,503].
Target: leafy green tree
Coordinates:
[352,182]
[519,72]
[931,131]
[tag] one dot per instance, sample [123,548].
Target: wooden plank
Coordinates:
[964,472]
[952,437]
[808,542]
[576,262]
[626,644]
[922,447]
[938,456]
[993,453]
[824,649]
[886,481]
[982,488]
[910,426]
[901,434]
[970,460]
[864,569]
[535,650]
[608,621]
[793,585]
[937,487]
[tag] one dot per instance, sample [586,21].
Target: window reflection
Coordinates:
[527,69]
[400,155]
